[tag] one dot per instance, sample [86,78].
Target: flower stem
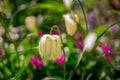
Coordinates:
[79,59]
[99,36]
[84,16]
[17,56]
[64,65]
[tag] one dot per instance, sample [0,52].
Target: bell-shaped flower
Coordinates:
[50,47]
[70,24]
[89,41]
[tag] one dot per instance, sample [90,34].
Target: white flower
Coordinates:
[67,3]
[71,25]
[30,22]
[89,41]
[50,47]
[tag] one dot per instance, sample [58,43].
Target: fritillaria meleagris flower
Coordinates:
[50,47]
[70,24]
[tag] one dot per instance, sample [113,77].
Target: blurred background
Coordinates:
[23,22]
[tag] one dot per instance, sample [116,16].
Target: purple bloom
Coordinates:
[37,63]
[91,20]
[79,45]
[59,61]
[107,51]
[55,32]
[40,33]
[1,52]
[113,29]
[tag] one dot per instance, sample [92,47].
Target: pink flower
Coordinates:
[40,33]
[79,41]
[107,51]
[1,52]
[37,63]
[59,61]
[79,45]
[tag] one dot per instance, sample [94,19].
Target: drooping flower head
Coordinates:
[50,47]
[36,62]
[70,24]
[59,61]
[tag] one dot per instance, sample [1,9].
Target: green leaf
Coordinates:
[7,71]
[105,30]
[98,30]
[1,65]
[6,6]
[55,6]
[19,74]
[70,44]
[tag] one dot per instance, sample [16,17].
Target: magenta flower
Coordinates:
[37,63]
[107,51]
[79,45]
[40,33]
[59,61]
[79,41]
[1,52]
[55,32]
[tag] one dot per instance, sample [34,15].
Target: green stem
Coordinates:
[106,30]
[79,59]
[17,56]
[84,15]
[83,74]
[64,65]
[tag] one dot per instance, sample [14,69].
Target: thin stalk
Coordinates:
[79,59]
[84,16]
[83,75]
[17,56]
[64,65]
[106,30]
